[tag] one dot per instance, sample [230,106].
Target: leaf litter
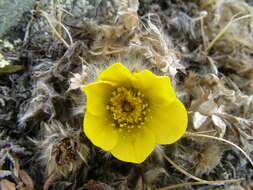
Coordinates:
[204,46]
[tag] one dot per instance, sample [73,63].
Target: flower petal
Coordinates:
[98,94]
[134,147]
[100,131]
[168,122]
[118,74]
[157,89]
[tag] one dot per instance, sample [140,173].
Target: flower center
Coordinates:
[128,108]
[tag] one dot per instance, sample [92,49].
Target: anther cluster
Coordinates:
[128,108]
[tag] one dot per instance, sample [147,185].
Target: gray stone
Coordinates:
[11,12]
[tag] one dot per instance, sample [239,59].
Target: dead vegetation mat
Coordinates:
[205,47]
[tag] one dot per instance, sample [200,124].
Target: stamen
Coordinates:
[128,108]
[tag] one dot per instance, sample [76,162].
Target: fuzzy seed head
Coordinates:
[62,150]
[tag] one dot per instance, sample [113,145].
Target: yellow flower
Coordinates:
[129,113]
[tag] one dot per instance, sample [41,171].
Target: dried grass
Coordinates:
[222,140]
[200,183]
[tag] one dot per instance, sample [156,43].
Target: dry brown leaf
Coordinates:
[7,185]
[27,180]
[48,182]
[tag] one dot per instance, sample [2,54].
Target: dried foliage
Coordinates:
[204,46]
[11,174]
[62,151]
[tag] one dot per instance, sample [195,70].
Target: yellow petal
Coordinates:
[117,73]
[100,131]
[98,95]
[168,122]
[157,89]
[134,147]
